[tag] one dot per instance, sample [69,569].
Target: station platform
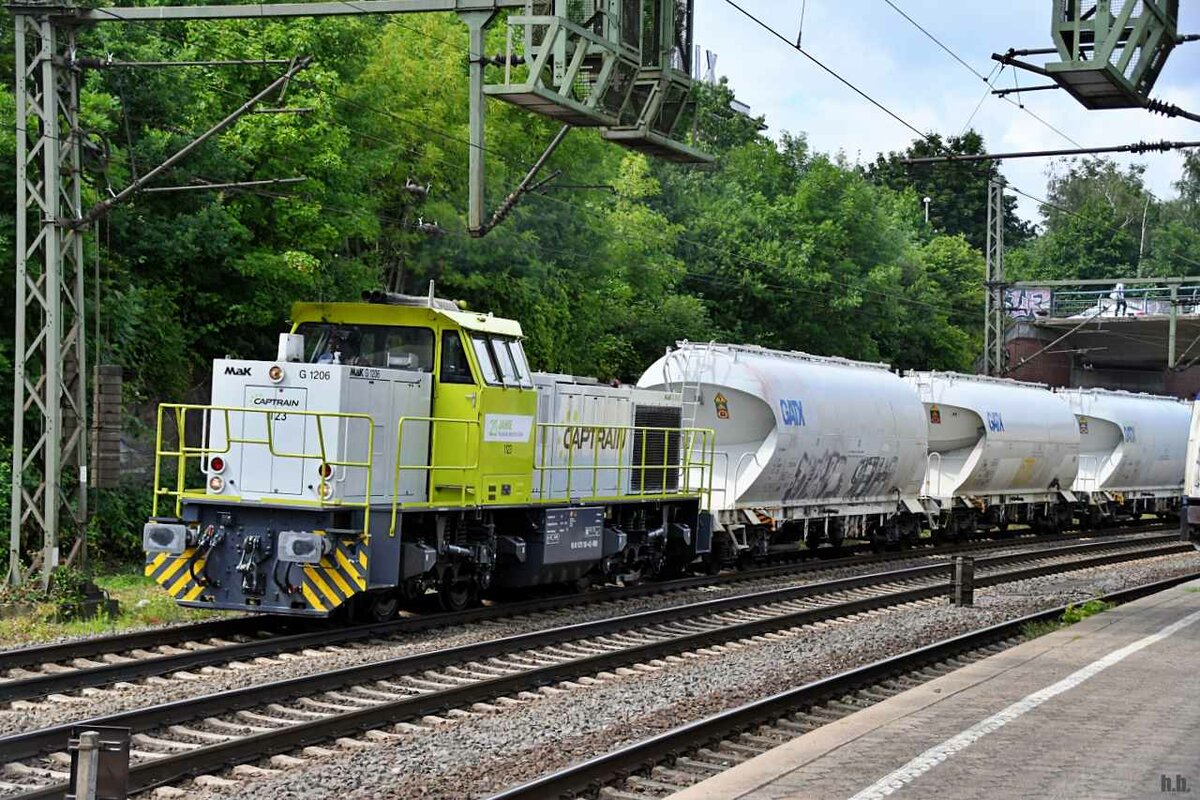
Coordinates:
[1107,708]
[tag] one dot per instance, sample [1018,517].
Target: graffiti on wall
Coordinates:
[1028,302]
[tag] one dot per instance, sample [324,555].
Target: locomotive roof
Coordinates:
[384,314]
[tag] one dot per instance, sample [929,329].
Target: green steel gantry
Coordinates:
[1112,51]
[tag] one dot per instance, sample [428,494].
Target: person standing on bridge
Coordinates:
[1118,294]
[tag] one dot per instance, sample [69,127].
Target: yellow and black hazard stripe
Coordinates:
[339,576]
[174,573]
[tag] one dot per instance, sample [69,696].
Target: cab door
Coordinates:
[508,416]
[454,438]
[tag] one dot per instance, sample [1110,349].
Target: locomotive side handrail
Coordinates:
[183,452]
[434,424]
[697,453]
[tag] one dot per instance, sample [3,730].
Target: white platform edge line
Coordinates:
[923,763]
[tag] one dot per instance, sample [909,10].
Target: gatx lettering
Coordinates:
[793,413]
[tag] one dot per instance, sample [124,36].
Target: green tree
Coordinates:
[958,191]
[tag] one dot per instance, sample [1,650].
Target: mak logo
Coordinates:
[995,422]
[793,413]
[722,405]
[237,370]
[1130,434]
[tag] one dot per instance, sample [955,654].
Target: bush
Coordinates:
[1081,612]
[67,586]
[1074,613]
[115,530]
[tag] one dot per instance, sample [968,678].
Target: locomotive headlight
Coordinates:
[275,373]
[216,483]
[325,491]
[160,537]
[302,547]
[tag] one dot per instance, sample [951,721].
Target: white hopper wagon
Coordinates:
[806,447]
[1133,449]
[999,451]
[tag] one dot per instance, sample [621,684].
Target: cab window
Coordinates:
[502,361]
[383,346]
[455,367]
[518,357]
[507,368]
[487,362]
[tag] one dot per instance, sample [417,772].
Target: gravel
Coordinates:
[478,755]
[25,715]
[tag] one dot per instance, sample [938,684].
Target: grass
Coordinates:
[143,604]
[1073,614]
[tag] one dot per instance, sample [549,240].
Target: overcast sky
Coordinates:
[879,51]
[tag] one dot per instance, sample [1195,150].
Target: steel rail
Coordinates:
[213,757]
[808,561]
[59,682]
[100,645]
[588,775]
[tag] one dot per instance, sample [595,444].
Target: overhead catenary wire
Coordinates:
[927,137]
[1136,147]
[979,75]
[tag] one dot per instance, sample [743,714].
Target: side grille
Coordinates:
[661,447]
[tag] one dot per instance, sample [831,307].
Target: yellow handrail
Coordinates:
[183,452]
[433,423]
[697,451]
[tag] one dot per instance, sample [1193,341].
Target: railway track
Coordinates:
[214,732]
[45,670]
[675,759]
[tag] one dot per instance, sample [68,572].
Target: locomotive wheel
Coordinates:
[379,607]
[457,594]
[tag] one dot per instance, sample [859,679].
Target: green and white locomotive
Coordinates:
[402,446]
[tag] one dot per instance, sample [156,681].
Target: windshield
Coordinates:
[382,346]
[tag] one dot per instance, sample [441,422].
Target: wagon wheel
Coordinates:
[456,593]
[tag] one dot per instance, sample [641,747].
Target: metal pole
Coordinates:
[477,25]
[16,506]
[52,281]
[74,398]
[87,768]
[993,324]
[964,581]
[1171,344]
[1142,244]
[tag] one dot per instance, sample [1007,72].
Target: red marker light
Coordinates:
[217,464]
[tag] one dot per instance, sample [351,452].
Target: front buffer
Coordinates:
[272,560]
